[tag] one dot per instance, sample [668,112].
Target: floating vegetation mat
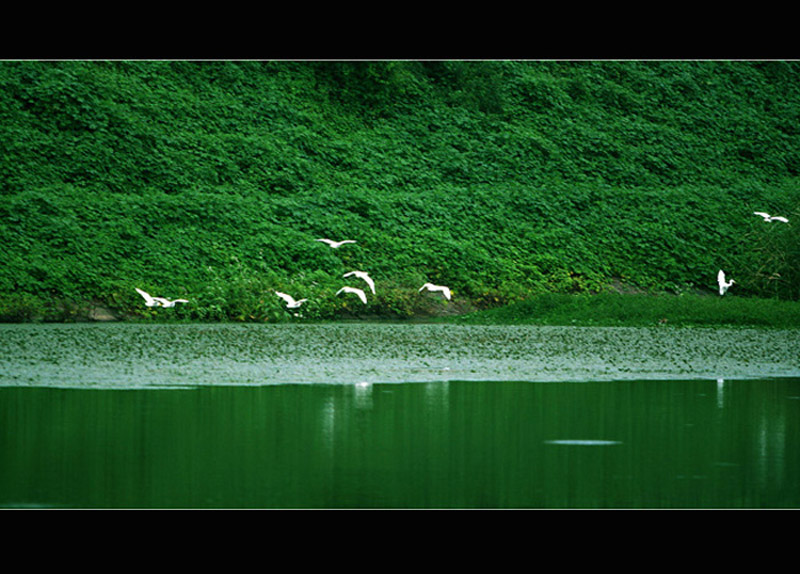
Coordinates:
[135,355]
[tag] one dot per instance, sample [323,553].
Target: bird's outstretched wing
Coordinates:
[288,298]
[364,276]
[150,301]
[336,244]
[431,287]
[355,290]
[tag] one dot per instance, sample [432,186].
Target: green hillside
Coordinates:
[212,181]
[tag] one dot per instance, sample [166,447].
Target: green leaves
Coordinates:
[612,309]
[500,179]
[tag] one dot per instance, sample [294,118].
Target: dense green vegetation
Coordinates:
[613,309]
[503,180]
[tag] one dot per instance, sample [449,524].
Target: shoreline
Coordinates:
[553,309]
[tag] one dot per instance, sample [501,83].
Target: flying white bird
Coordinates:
[167,303]
[723,285]
[770,218]
[431,287]
[151,301]
[364,276]
[290,302]
[358,292]
[148,300]
[336,244]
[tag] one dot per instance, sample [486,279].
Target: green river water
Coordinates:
[397,416]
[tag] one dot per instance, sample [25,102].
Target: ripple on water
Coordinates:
[584,442]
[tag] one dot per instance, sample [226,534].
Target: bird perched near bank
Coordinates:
[358,292]
[723,285]
[770,218]
[151,301]
[431,287]
[336,244]
[364,276]
[290,301]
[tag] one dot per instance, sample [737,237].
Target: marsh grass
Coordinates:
[613,309]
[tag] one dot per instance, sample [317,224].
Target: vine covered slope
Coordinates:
[501,179]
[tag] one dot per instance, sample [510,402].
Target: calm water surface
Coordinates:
[397,416]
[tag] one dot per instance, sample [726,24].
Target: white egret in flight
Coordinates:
[431,287]
[336,244]
[364,276]
[723,285]
[151,301]
[770,218]
[358,292]
[290,302]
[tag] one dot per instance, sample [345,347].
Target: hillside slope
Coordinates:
[212,180]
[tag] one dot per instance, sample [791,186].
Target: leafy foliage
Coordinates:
[211,181]
[614,309]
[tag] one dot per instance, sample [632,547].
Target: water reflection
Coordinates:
[323,416]
[454,444]
[363,394]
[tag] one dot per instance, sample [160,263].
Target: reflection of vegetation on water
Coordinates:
[475,444]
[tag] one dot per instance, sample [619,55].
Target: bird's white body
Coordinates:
[431,287]
[723,285]
[336,244]
[358,292]
[770,218]
[290,301]
[151,301]
[167,303]
[364,276]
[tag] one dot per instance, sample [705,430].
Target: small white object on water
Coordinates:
[358,292]
[770,218]
[336,244]
[431,287]
[723,285]
[364,276]
[290,301]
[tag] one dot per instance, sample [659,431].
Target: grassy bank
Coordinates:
[601,309]
[613,309]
